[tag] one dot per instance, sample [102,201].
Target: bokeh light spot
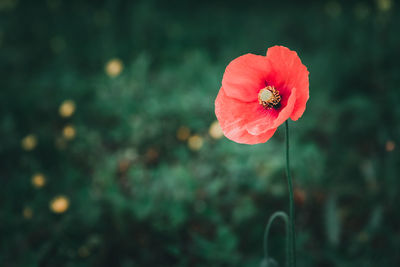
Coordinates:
[29,142]
[215,130]
[59,204]
[114,67]
[183,133]
[38,180]
[67,108]
[195,142]
[27,213]
[390,146]
[69,132]
[384,5]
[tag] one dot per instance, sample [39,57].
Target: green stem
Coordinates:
[284,217]
[292,237]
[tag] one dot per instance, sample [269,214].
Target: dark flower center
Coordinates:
[269,97]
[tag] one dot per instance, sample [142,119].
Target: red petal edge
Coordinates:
[290,73]
[245,76]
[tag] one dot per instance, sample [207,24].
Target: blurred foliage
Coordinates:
[108,159]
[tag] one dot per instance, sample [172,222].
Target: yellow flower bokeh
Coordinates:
[29,142]
[215,130]
[114,67]
[69,132]
[38,180]
[67,108]
[59,204]
[195,142]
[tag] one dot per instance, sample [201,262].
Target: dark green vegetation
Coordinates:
[138,196]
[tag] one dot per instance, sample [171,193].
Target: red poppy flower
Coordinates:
[259,93]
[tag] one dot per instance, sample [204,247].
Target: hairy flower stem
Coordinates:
[292,235]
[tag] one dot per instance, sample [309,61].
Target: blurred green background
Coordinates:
[110,154]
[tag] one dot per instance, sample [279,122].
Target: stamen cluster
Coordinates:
[269,97]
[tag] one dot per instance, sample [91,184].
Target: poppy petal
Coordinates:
[250,139]
[234,115]
[245,76]
[273,118]
[290,73]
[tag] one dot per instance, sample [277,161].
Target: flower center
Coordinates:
[268,97]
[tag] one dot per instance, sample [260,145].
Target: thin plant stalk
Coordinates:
[292,234]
